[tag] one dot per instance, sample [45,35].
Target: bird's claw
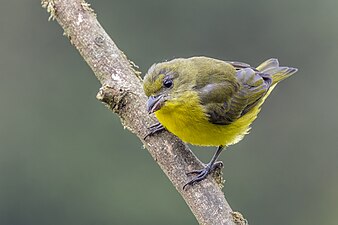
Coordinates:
[202,173]
[157,127]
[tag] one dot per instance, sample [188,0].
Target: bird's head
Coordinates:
[166,82]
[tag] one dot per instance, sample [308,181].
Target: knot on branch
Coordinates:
[112,97]
[99,40]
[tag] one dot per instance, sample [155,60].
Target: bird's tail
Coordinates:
[278,73]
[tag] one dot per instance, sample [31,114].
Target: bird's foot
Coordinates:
[202,173]
[157,127]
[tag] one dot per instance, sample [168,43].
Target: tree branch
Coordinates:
[122,92]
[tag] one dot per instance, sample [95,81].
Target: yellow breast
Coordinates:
[186,118]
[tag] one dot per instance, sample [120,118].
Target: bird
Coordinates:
[209,102]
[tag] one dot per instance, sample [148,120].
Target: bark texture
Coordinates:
[122,92]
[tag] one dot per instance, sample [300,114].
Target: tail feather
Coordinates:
[270,63]
[278,73]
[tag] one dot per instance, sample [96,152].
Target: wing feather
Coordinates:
[227,101]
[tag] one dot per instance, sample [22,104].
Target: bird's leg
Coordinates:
[203,173]
[157,127]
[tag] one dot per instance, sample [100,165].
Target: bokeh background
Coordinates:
[66,159]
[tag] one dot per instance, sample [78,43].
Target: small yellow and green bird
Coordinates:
[209,102]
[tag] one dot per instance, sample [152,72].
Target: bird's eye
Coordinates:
[167,83]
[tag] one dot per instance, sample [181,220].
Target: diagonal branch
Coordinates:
[122,92]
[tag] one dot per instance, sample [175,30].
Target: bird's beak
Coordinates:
[154,103]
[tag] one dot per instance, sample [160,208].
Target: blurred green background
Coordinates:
[66,159]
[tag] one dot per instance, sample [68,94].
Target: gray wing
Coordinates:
[226,102]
